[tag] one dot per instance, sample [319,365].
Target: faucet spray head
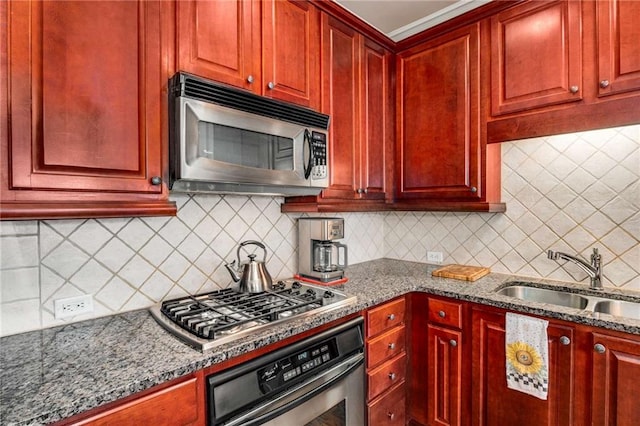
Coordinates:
[551,255]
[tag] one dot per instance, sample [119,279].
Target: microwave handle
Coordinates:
[309,165]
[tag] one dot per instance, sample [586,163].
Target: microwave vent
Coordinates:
[196,88]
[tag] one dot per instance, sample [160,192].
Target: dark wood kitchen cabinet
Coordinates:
[587,47]
[536,56]
[495,404]
[615,363]
[386,363]
[441,154]
[270,47]
[618,50]
[356,94]
[180,403]
[438,368]
[82,113]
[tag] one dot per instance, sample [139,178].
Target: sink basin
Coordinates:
[543,295]
[619,308]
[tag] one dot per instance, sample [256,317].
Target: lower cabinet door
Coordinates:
[390,409]
[444,376]
[616,370]
[493,403]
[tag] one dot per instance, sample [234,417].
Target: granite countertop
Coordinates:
[51,374]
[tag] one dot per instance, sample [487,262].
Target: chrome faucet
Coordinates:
[594,270]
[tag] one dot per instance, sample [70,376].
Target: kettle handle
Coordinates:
[256,243]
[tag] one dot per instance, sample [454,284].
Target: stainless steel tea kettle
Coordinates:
[255,277]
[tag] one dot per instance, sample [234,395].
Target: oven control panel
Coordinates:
[278,374]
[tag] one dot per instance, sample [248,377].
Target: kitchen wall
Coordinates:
[569,193]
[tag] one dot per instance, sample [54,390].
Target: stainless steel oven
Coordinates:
[317,381]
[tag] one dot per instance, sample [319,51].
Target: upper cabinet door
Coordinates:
[536,57]
[439,142]
[220,40]
[86,96]
[618,28]
[290,48]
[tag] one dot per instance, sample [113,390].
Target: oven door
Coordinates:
[335,397]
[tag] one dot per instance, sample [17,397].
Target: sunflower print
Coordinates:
[524,358]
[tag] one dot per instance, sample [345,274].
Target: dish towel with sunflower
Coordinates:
[527,350]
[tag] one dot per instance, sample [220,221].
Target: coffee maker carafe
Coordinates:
[320,256]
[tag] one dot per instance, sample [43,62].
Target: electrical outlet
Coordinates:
[72,306]
[434,256]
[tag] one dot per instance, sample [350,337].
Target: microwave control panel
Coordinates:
[319,155]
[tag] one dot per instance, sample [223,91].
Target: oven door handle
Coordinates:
[299,394]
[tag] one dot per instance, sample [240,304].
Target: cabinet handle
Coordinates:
[392,346]
[604,84]
[599,348]
[391,415]
[391,317]
[453,343]
[271,85]
[564,340]
[156,180]
[392,376]
[250,79]
[574,89]
[473,189]
[441,314]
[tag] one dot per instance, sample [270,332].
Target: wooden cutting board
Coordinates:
[461,272]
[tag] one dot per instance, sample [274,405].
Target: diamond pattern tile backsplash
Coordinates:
[569,193]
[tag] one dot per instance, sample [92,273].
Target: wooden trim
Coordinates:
[408,205]
[81,210]
[571,118]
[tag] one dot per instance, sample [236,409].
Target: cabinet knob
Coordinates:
[391,415]
[574,89]
[564,340]
[392,376]
[453,343]
[360,191]
[271,85]
[599,348]
[250,79]
[391,317]
[156,180]
[473,189]
[604,84]
[392,346]
[441,314]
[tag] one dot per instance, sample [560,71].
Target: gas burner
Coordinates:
[211,319]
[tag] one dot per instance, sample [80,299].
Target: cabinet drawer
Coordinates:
[384,317]
[385,346]
[389,410]
[386,376]
[175,405]
[445,313]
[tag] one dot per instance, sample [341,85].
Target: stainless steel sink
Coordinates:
[543,295]
[618,308]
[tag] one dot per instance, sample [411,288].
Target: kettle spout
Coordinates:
[231,268]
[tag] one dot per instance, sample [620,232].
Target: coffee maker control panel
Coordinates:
[335,230]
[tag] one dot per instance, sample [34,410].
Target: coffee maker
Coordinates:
[318,252]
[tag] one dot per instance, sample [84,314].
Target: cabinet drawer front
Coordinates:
[385,347]
[445,313]
[176,405]
[389,410]
[386,376]
[385,316]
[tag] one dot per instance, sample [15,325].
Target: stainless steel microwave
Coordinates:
[227,140]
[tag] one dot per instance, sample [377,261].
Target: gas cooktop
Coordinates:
[211,319]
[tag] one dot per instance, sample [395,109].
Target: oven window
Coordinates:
[334,416]
[244,147]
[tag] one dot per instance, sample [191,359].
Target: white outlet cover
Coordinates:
[73,306]
[434,256]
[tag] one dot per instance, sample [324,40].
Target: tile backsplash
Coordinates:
[569,193]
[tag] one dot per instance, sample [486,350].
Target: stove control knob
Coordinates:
[328,294]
